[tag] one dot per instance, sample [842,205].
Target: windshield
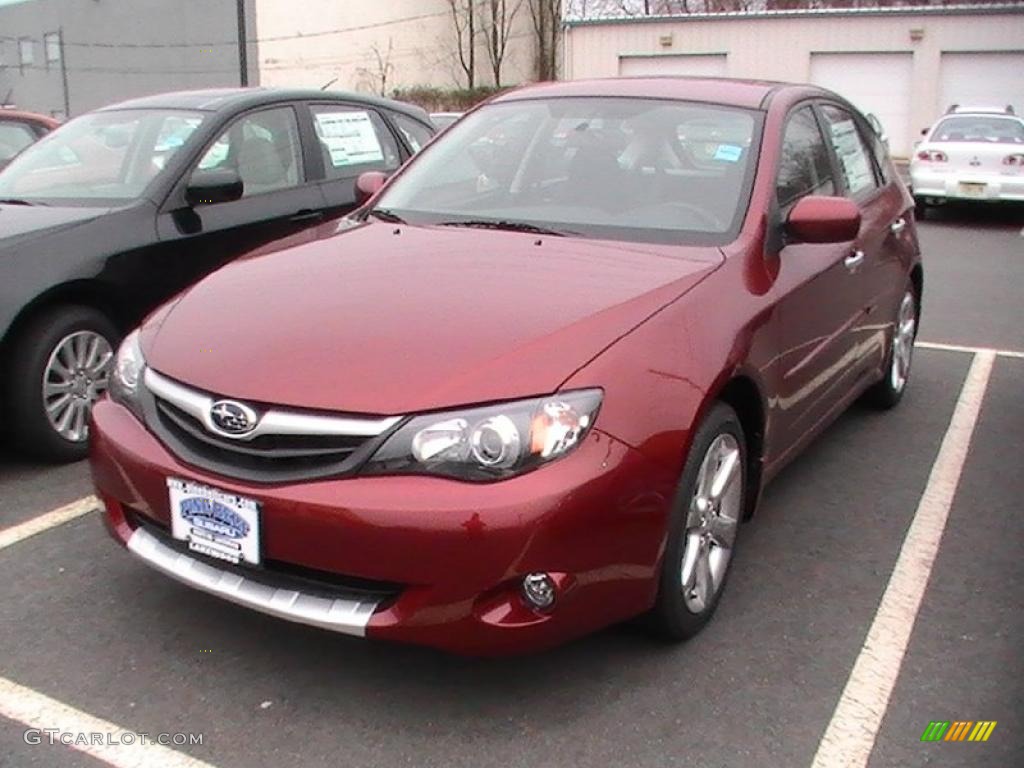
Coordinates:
[621,168]
[995,130]
[107,157]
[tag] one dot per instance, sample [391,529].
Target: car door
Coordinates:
[879,278]
[279,195]
[818,306]
[349,139]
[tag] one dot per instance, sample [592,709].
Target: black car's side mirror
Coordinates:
[218,185]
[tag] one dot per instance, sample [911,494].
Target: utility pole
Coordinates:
[63,73]
[243,56]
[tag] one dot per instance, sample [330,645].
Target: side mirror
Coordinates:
[924,131]
[368,184]
[218,185]
[817,219]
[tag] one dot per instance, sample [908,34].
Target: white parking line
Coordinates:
[59,516]
[38,711]
[850,735]
[972,350]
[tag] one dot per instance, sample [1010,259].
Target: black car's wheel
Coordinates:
[59,365]
[889,391]
[703,527]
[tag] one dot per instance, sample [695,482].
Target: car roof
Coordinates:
[751,94]
[233,99]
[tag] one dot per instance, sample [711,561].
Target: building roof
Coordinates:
[1009,6]
[750,94]
[216,99]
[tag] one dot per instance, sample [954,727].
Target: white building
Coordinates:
[905,66]
[353,43]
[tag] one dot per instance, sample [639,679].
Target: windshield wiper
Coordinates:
[504,224]
[385,214]
[16,201]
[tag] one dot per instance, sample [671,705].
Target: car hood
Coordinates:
[22,223]
[387,319]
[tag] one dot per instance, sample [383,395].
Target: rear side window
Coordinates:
[804,166]
[854,159]
[415,133]
[14,137]
[353,141]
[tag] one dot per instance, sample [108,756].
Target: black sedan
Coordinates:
[123,207]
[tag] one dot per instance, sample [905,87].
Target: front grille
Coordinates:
[171,412]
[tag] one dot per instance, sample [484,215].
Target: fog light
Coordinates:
[539,590]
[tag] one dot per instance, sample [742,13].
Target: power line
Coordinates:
[272,39]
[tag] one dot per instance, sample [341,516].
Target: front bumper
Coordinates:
[453,553]
[952,184]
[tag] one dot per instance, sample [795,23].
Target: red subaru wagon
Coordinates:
[536,383]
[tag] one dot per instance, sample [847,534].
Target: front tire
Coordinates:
[889,391]
[703,527]
[59,366]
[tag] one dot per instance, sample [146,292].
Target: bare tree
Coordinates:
[380,70]
[546,19]
[497,29]
[464,25]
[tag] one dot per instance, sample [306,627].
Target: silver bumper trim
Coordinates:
[348,615]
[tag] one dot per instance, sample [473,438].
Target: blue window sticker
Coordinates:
[728,152]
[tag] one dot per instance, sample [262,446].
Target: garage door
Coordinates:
[981,79]
[695,65]
[874,82]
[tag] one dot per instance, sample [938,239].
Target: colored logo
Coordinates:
[958,730]
[232,417]
[214,517]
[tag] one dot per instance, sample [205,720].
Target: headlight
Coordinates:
[126,378]
[490,442]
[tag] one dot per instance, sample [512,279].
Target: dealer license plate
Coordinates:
[215,523]
[972,189]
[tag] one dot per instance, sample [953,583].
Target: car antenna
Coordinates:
[328,84]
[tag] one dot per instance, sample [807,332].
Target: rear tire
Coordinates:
[889,391]
[703,527]
[61,359]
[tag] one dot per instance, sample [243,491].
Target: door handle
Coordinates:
[898,226]
[854,260]
[308,216]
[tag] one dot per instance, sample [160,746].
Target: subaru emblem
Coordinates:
[233,418]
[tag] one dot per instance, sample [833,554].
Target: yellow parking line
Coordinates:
[47,718]
[59,516]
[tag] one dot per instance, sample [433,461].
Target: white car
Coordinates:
[970,154]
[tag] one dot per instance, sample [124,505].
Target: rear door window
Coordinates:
[855,161]
[353,140]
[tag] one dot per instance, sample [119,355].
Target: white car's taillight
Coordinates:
[932,156]
[1014,160]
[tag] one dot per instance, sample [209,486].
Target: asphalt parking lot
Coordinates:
[90,628]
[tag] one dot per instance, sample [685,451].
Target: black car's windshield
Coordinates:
[621,168]
[102,156]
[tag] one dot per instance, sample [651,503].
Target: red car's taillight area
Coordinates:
[1015,161]
[932,156]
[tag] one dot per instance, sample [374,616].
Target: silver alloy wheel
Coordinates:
[903,342]
[711,522]
[75,376]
